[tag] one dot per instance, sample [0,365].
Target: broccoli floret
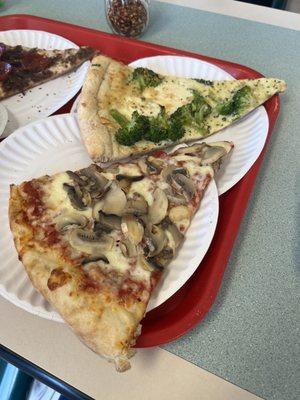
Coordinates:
[201,113]
[182,115]
[226,108]
[124,137]
[158,127]
[193,113]
[176,130]
[144,77]
[240,100]
[119,118]
[131,131]
[200,109]
[161,127]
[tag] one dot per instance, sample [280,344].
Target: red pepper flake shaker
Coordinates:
[128,17]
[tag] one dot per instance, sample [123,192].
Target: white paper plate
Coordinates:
[52,145]
[47,98]
[248,135]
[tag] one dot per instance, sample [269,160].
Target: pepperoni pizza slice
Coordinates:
[95,242]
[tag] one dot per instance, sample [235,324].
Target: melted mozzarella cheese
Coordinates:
[134,103]
[171,93]
[145,188]
[198,170]
[120,263]
[140,274]
[163,185]
[129,169]
[171,242]
[57,198]
[117,260]
[184,157]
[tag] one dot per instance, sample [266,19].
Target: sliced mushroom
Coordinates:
[69,220]
[76,178]
[159,207]
[180,216]
[124,185]
[164,257]
[137,205]
[155,165]
[168,172]
[110,221]
[174,198]
[97,207]
[113,169]
[88,173]
[90,242]
[129,178]
[143,166]
[99,229]
[195,150]
[183,185]
[99,189]
[125,181]
[86,197]
[75,197]
[90,266]
[96,184]
[177,236]
[155,240]
[105,222]
[132,228]
[149,264]
[114,201]
[212,154]
[95,259]
[128,248]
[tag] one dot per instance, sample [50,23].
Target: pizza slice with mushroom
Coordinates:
[22,68]
[95,242]
[126,112]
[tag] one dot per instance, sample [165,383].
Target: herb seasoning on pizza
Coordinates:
[124,111]
[22,68]
[95,242]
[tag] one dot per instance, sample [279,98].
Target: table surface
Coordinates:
[251,335]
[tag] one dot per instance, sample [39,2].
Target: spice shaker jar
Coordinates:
[128,17]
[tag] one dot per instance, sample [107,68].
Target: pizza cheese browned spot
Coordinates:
[22,68]
[95,242]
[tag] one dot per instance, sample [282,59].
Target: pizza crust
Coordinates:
[105,326]
[95,134]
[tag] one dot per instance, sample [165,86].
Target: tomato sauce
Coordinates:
[34,200]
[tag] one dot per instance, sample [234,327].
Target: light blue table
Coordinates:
[251,336]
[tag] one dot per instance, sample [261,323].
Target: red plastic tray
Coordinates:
[190,304]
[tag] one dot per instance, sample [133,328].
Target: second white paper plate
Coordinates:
[48,97]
